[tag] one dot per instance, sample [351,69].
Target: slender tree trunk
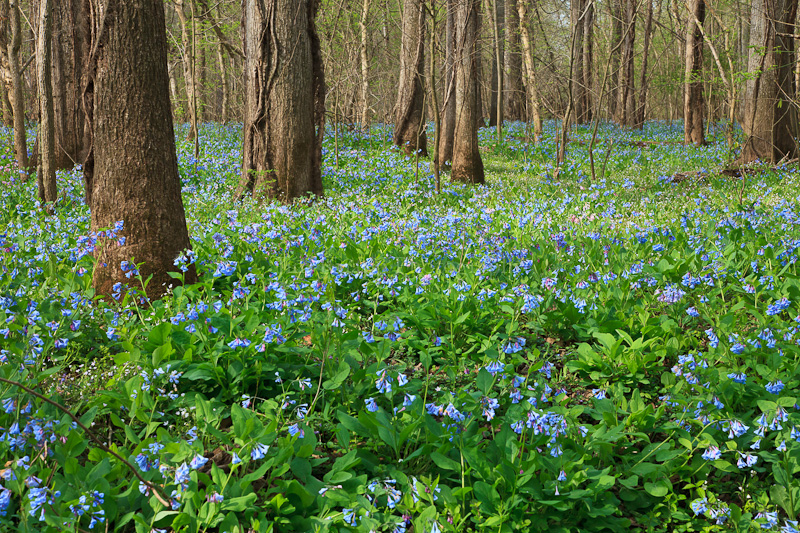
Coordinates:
[588,60]
[188,69]
[364,66]
[577,14]
[693,87]
[514,92]
[626,102]
[8,114]
[770,119]
[530,72]
[47,168]
[643,81]
[284,100]
[5,66]
[445,153]
[224,75]
[17,94]
[497,9]
[135,180]
[616,9]
[409,111]
[467,163]
[434,99]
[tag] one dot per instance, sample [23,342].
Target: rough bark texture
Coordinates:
[46,175]
[363,55]
[409,111]
[693,87]
[449,83]
[467,163]
[643,81]
[188,69]
[770,119]
[284,99]
[530,73]
[70,52]
[513,91]
[135,167]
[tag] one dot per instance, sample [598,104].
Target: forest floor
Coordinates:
[610,350]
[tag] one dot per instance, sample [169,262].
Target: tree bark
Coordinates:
[467,163]
[284,100]
[364,119]
[693,86]
[135,169]
[616,9]
[643,82]
[17,95]
[224,81]
[187,53]
[46,175]
[530,73]
[70,52]
[770,118]
[626,102]
[448,125]
[409,133]
[497,8]
[588,60]
[513,91]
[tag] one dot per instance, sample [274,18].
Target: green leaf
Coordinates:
[485,380]
[445,463]
[659,489]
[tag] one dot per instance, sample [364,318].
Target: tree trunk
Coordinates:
[449,98]
[225,94]
[770,119]
[588,60]
[364,67]
[17,95]
[643,82]
[616,8]
[577,14]
[135,177]
[497,8]
[626,102]
[409,133]
[514,92]
[70,45]
[47,146]
[467,163]
[284,100]
[188,69]
[530,73]
[693,86]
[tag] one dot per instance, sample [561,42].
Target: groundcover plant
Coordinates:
[549,352]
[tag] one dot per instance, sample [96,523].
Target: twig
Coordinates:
[157,491]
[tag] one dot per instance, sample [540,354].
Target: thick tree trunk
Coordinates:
[770,119]
[449,97]
[70,53]
[47,171]
[135,178]
[530,73]
[467,163]
[577,14]
[284,100]
[364,119]
[409,133]
[514,92]
[17,95]
[693,86]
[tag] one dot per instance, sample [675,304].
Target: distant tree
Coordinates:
[46,171]
[770,116]
[284,100]
[626,96]
[693,90]
[467,163]
[12,75]
[513,90]
[447,133]
[409,133]
[133,166]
